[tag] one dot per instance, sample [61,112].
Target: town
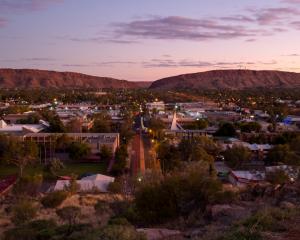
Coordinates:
[148,162]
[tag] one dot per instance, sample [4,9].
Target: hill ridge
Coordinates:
[230,79]
[34,78]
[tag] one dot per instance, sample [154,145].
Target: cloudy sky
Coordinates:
[149,39]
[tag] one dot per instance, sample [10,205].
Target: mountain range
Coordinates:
[216,79]
[30,78]
[230,79]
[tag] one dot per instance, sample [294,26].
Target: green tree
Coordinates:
[56,125]
[105,154]
[21,153]
[250,127]
[283,154]
[78,150]
[226,130]
[120,160]
[102,123]
[236,156]
[168,156]
[277,177]
[197,125]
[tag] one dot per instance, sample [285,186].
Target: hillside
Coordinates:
[27,78]
[230,79]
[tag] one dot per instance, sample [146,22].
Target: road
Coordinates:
[142,156]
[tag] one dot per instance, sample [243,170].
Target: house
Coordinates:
[96,182]
[243,178]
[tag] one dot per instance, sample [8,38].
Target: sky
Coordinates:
[145,40]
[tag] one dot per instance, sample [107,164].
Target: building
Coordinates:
[158,106]
[21,129]
[47,141]
[97,182]
[244,178]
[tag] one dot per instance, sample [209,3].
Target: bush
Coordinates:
[277,177]
[101,208]
[36,230]
[120,232]
[115,187]
[28,185]
[181,193]
[23,212]
[243,234]
[54,199]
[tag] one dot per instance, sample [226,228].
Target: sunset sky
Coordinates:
[149,39]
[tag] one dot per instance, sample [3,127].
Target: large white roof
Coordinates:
[97,181]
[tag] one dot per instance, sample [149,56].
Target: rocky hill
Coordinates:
[28,78]
[230,79]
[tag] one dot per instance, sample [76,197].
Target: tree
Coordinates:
[78,150]
[199,154]
[32,118]
[69,214]
[283,154]
[55,166]
[226,130]
[277,177]
[3,146]
[168,156]
[197,125]
[236,156]
[73,187]
[105,154]
[102,123]
[120,160]
[182,192]
[74,126]
[63,141]
[28,185]
[21,153]
[295,145]
[250,127]
[156,126]
[56,125]
[126,131]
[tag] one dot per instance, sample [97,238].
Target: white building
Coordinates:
[21,129]
[97,182]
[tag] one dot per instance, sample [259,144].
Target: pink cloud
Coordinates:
[25,5]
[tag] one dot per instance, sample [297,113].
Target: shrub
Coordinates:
[54,199]
[70,215]
[277,177]
[36,230]
[28,185]
[23,212]
[181,193]
[73,187]
[115,187]
[101,208]
[120,232]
